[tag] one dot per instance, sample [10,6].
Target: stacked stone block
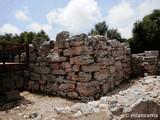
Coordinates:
[145,63]
[81,66]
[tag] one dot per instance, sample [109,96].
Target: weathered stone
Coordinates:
[72,94]
[62,36]
[100,38]
[61,79]
[88,89]
[66,65]
[48,77]
[115,43]
[32,57]
[55,66]
[54,57]
[102,74]
[80,50]
[118,65]
[40,59]
[76,68]
[35,76]
[151,53]
[94,103]
[58,72]
[67,87]
[26,73]
[112,69]
[68,52]
[59,51]
[90,68]
[43,53]
[104,61]
[84,77]
[106,88]
[42,82]
[81,60]
[42,70]
[68,70]
[33,86]
[37,43]
[82,107]
[52,86]
[77,114]
[78,40]
[45,46]
[52,44]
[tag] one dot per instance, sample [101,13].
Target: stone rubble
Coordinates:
[143,95]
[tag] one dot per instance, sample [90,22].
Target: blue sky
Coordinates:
[76,16]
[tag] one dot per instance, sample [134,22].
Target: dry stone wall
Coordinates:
[145,63]
[81,66]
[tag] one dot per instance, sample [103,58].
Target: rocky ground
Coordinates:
[137,96]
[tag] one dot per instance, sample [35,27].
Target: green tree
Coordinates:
[43,35]
[99,29]
[24,37]
[146,33]
[114,34]
[102,29]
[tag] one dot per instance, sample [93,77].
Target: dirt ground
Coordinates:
[41,107]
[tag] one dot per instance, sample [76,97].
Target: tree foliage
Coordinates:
[146,33]
[24,37]
[114,34]
[99,29]
[102,29]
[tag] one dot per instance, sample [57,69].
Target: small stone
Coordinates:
[33,115]
[103,106]
[77,114]
[25,116]
[154,94]
[19,114]
[96,109]
[94,103]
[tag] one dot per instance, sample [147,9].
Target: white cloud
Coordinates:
[147,7]
[76,15]
[120,15]
[36,27]
[124,15]
[22,15]
[8,28]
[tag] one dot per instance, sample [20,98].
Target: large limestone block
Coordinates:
[81,60]
[37,43]
[102,74]
[62,36]
[90,68]
[45,46]
[55,57]
[88,89]
[67,87]
[58,72]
